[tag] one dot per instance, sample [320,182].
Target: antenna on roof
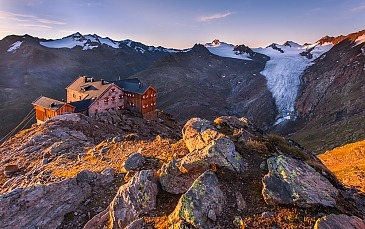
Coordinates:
[119,77]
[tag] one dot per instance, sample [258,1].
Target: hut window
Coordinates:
[96,110]
[113,98]
[133,95]
[151,104]
[144,106]
[121,96]
[113,89]
[143,97]
[73,95]
[120,107]
[106,100]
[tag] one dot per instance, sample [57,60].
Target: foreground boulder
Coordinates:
[44,206]
[136,198]
[291,181]
[207,148]
[339,222]
[201,205]
[197,133]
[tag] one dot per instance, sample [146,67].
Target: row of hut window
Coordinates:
[112,98]
[146,96]
[146,105]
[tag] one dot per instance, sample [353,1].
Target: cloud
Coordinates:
[213,17]
[52,22]
[358,8]
[27,20]
[37,26]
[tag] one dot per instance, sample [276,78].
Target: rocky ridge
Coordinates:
[222,175]
[331,99]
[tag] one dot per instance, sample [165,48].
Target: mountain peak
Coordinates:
[216,42]
[292,44]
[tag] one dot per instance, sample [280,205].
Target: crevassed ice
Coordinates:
[283,74]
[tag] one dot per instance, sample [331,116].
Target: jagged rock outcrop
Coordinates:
[44,206]
[339,222]
[134,199]
[292,181]
[207,148]
[201,205]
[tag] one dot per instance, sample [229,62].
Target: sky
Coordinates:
[182,23]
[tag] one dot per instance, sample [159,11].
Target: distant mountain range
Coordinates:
[307,91]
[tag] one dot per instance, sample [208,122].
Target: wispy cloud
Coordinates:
[38,26]
[212,17]
[52,22]
[358,8]
[30,20]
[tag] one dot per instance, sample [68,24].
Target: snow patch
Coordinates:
[225,50]
[360,40]
[67,42]
[109,42]
[15,46]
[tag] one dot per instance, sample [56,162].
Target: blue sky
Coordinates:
[181,24]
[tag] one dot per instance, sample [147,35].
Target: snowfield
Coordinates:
[360,40]
[79,40]
[88,42]
[225,50]
[15,46]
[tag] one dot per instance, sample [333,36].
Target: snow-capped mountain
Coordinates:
[227,50]
[92,41]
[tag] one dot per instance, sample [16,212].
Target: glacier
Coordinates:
[284,70]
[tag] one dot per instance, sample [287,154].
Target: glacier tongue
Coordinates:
[283,80]
[283,74]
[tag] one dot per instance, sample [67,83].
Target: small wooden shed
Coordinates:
[47,108]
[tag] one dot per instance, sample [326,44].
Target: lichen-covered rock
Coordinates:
[98,221]
[207,147]
[174,181]
[197,133]
[44,206]
[242,128]
[292,181]
[220,152]
[339,222]
[134,199]
[201,205]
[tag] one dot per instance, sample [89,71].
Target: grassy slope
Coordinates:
[348,164]
[319,138]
